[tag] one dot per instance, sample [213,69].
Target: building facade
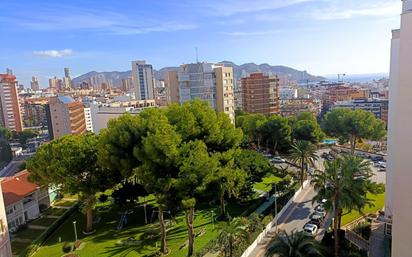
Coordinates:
[34,84]
[379,107]
[213,83]
[88,119]
[143,80]
[260,94]
[23,200]
[398,207]
[5,246]
[34,112]
[10,115]
[65,116]
[294,107]
[341,93]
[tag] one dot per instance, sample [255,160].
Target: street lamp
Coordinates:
[75,230]
[213,220]
[276,208]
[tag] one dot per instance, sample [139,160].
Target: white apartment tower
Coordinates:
[209,82]
[398,203]
[142,80]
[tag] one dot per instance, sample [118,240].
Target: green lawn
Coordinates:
[64,203]
[29,233]
[43,221]
[17,247]
[379,201]
[105,241]
[54,211]
[266,183]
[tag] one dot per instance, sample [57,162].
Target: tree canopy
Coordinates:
[70,163]
[352,125]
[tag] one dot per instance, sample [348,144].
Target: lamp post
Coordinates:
[213,220]
[75,230]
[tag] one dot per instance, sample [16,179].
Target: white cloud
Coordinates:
[379,9]
[54,53]
[97,20]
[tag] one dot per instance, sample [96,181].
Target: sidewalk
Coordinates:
[289,220]
[376,240]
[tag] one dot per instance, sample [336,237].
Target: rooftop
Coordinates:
[15,188]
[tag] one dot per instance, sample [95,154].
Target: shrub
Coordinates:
[43,207]
[66,248]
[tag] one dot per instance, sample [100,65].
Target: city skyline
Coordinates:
[340,36]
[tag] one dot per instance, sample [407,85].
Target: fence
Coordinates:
[270,225]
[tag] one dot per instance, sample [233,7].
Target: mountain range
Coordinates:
[285,73]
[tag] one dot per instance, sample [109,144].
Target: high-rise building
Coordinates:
[88,119]
[172,87]
[398,206]
[142,79]
[67,81]
[126,84]
[34,84]
[260,94]
[209,82]
[55,84]
[65,116]
[10,115]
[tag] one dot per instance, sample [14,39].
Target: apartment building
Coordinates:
[88,119]
[34,84]
[293,107]
[260,94]
[10,115]
[65,116]
[143,80]
[5,246]
[213,83]
[398,206]
[23,200]
[341,93]
[379,107]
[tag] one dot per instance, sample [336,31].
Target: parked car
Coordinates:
[278,159]
[320,213]
[382,164]
[316,220]
[377,158]
[310,229]
[330,157]
[324,155]
[320,208]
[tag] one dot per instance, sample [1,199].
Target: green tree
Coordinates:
[232,233]
[227,180]
[251,126]
[194,167]
[303,153]
[276,133]
[5,133]
[308,130]
[297,244]
[344,184]
[353,125]
[24,135]
[256,167]
[70,163]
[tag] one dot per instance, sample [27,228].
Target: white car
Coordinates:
[310,229]
[382,164]
[320,208]
[277,159]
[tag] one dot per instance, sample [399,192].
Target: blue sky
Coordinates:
[40,38]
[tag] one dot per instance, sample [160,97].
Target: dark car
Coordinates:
[377,158]
[317,220]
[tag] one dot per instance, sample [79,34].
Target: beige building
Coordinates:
[65,116]
[10,115]
[398,204]
[5,246]
[213,83]
[143,80]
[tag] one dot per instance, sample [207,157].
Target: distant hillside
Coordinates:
[284,72]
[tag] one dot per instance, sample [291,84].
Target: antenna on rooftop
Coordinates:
[197,55]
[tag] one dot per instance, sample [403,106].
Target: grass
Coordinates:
[17,247]
[54,211]
[43,221]
[266,184]
[29,233]
[64,203]
[104,242]
[379,201]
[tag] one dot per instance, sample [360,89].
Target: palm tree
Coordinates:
[297,244]
[303,153]
[231,233]
[344,184]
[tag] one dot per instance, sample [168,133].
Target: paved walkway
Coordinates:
[376,240]
[295,217]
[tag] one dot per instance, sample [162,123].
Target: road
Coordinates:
[13,166]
